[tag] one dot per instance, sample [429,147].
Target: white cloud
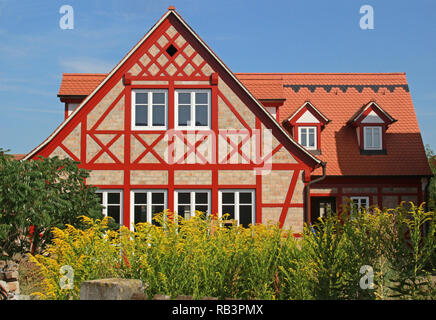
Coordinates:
[87,65]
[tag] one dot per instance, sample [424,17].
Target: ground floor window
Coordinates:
[186,202]
[360,202]
[239,204]
[112,202]
[145,204]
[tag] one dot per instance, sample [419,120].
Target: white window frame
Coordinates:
[149,126]
[104,193]
[359,201]
[365,143]
[315,128]
[176,109]
[192,200]
[148,204]
[237,203]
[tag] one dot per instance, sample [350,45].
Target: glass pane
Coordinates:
[368,137]
[230,210]
[113,198]
[303,137]
[184,115]
[363,202]
[312,139]
[140,214]
[114,212]
[245,215]
[141,115]
[158,115]
[158,98]
[204,209]
[157,198]
[184,98]
[184,212]
[141,98]
[201,115]
[228,197]
[140,197]
[184,197]
[201,197]
[245,197]
[376,138]
[157,209]
[201,98]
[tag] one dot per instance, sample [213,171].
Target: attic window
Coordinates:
[171,50]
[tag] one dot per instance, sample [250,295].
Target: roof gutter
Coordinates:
[307,192]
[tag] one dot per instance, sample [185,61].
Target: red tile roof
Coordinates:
[81,84]
[18,156]
[338,96]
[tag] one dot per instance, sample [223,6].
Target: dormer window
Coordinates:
[371,123]
[306,126]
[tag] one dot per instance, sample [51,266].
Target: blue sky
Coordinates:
[248,35]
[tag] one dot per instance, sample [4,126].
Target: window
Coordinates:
[192,109]
[373,138]
[187,202]
[112,202]
[146,204]
[360,202]
[239,204]
[71,107]
[149,109]
[273,111]
[307,137]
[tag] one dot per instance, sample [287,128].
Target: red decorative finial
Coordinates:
[173,8]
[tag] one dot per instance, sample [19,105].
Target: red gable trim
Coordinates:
[360,115]
[307,106]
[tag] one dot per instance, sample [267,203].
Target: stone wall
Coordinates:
[9,277]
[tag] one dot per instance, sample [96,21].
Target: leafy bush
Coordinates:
[44,194]
[259,262]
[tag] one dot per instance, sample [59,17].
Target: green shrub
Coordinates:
[45,193]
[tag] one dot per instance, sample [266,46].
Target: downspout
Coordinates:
[307,194]
[426,199]
[426,193]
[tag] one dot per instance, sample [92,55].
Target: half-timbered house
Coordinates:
[171,127]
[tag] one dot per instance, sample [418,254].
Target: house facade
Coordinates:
[171,127]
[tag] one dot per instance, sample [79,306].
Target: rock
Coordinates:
[4,285]
[2,264]
[161,297]
[11,276]
[17,257]
[22,297]
[139,296]
[14,287]
[184,297]
[209,298]
[110,289]
[11,266]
